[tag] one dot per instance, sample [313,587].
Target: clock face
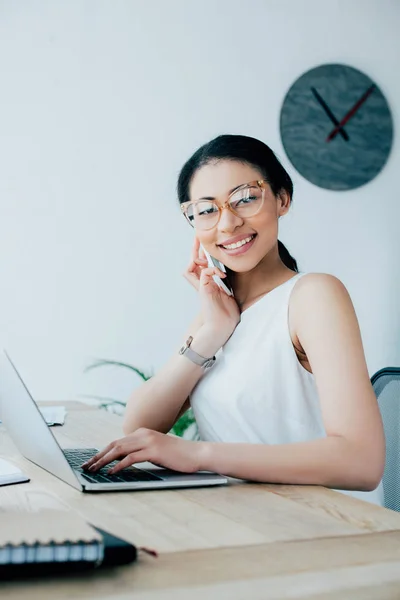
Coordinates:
[336,127]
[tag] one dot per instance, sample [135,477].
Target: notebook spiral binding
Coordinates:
[52,552]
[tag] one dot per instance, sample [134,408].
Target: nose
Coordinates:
[229,221]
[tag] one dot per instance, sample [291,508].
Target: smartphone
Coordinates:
[224,284]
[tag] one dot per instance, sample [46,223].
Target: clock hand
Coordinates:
[351,113]
[330,114]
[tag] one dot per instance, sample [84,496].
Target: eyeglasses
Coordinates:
[244,201]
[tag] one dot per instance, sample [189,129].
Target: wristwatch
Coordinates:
[186,350]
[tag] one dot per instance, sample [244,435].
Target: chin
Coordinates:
[243,265]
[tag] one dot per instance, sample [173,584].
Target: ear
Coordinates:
[283,203]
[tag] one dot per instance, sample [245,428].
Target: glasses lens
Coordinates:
[247,201]
[203,214]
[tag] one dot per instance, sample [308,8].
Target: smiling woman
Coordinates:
[288,398]
[244,200]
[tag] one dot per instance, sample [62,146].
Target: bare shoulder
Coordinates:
[316,298]
[314,287]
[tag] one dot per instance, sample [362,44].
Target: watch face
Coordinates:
[336,127]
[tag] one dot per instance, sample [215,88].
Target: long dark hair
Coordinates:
[246,150]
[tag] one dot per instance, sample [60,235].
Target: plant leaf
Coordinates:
[101,362]
[183,423]
[103,399]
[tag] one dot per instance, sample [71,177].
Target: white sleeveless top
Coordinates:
[258,392]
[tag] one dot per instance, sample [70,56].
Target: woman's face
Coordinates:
[260,231]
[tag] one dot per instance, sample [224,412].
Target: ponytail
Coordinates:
[286,258]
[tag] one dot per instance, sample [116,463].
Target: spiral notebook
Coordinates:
[54,541]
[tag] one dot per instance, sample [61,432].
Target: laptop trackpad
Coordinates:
[169,474]
[158,471]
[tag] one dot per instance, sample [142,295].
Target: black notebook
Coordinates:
[49,542]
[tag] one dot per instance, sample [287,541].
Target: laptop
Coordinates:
[35,440]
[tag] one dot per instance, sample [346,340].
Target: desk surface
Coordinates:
[277,541]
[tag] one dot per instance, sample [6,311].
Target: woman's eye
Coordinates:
[206,211]
[246,200]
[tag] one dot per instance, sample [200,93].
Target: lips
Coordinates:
[242,248]
[236,240]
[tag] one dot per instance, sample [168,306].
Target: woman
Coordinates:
[288,399]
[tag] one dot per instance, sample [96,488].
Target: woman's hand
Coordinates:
[147,445]
[197,263]
[220,312]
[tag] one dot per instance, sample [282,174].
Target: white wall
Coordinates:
[101,103]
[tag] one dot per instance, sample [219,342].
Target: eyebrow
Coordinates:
[213,198]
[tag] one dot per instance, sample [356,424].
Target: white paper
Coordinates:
[9,473]
[54,415]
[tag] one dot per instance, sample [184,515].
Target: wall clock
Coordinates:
[336,127]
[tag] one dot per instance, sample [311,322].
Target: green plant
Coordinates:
[181,426]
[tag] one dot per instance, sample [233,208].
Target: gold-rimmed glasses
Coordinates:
[244,201]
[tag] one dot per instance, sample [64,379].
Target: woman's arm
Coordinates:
[331,462]
[157,404]
[352,455]
[161,400]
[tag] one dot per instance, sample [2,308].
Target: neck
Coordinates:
[266,276]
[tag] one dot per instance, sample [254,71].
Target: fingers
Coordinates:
[192,278]
[199,270]
[198,252]
[128,461]
[97,456]
[113,451]
[105,460]
[201,262]
[207,275]
[195,248]
[136,447]
[192,273]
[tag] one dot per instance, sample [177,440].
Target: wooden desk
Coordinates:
[243,541]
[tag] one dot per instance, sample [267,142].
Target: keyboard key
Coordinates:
[77,457]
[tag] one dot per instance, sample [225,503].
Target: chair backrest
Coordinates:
[386,384]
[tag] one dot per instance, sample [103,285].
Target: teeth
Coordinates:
[238,244]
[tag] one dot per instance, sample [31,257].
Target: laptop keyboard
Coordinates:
[76,457]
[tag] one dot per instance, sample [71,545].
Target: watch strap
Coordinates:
[196,358]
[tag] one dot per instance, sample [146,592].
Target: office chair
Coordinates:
[386,384]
